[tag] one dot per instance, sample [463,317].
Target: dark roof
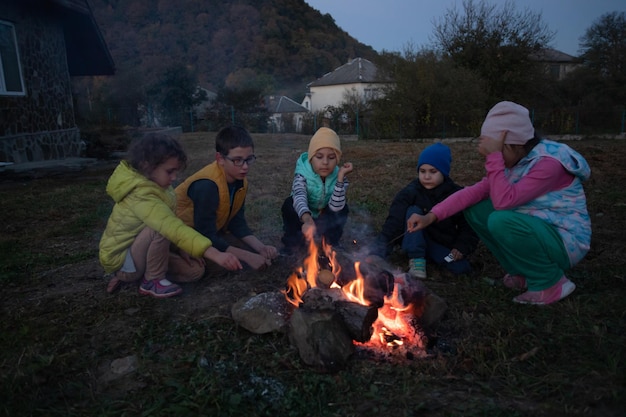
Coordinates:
[359,70]
[552,55]
[283,104]
[87,52]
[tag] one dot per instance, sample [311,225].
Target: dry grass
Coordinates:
[59,330]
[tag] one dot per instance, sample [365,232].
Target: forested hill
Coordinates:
[286,41]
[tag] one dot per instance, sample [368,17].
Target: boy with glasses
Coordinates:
[212,200]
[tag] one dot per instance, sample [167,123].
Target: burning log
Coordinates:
[325,325]
[378,283]
[329,310]
[321,338]
[356,317]
[341,303]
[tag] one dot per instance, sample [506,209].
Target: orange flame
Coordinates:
[304,277]
[392,327]
[355,289]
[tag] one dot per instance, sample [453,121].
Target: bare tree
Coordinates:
[496,43]
[603,46]
[430,96]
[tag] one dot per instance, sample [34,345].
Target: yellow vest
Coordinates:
[215,173]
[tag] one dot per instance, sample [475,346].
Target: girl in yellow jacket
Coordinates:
[142,226]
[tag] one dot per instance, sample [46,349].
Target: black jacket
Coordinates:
[453,232]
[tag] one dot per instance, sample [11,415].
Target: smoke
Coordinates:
[360,234]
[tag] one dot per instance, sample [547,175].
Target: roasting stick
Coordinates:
[397,237]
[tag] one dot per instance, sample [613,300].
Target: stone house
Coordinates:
[42,44]
[358,78]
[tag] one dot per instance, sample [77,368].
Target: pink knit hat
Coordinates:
[511,117]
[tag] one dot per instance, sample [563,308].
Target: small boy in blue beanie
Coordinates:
[447,243]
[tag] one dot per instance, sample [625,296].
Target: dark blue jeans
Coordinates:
[419,245]
[329,225]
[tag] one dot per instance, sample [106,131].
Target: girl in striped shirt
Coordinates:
[317,204]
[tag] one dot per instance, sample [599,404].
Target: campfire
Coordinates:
[339,308]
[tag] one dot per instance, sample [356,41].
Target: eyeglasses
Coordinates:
[238,162]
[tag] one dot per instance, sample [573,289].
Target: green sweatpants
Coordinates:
[524,245]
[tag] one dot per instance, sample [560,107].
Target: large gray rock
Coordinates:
[262,313]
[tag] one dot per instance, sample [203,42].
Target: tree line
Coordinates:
[482,53]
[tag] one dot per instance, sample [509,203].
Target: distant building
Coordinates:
[557,64]
[358,77]
[204,106]
[42,44]
[285,114]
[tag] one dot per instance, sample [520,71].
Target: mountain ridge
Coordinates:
[287,41]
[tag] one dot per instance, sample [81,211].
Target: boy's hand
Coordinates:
[456,254]
[255,261]
[269,252]
[266,251]
[225,260]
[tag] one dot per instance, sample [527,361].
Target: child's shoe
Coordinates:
[159,288]
[557,292]
[417,268]
[514,282]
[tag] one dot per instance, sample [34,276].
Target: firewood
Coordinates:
[321,338]
[358,319]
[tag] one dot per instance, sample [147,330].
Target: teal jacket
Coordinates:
[318,191]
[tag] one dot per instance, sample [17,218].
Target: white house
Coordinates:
[357,78]
[285,114]
[556,63]
[201,108]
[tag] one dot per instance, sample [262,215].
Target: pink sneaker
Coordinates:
[515,282]
[557,292]
[159,288]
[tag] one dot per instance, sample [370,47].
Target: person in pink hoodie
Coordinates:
[530,209]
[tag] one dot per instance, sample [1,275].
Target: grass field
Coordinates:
[60,333]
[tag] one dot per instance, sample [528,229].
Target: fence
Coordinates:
[559,121]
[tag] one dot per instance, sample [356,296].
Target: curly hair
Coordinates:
[151,150]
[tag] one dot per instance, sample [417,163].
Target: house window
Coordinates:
[11,83]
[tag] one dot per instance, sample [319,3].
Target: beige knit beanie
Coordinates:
[325,138]
[511,117]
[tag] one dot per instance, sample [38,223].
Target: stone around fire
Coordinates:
[262,313]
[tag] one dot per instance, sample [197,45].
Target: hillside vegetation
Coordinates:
[286,40]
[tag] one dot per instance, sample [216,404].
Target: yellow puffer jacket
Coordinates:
[139,203]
